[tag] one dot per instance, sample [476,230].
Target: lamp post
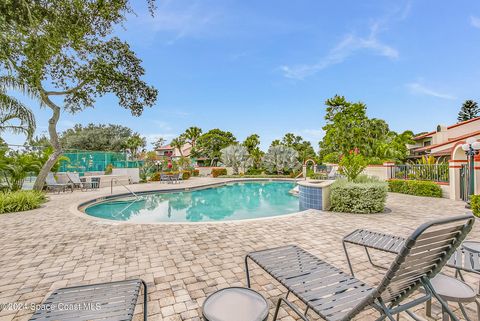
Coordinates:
[471,148]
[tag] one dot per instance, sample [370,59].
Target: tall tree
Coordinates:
[212,142]
[95,137]
[252,143]
[348,128]
[303,147]
[159,143]
[178,143]
[65,53]
[468,111]
[134,143]
[14,115]
[192,134]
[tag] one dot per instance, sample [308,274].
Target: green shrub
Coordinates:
[109,169]
[254,171]
[186,175]
[195,173]
[366,179]
[362,198]
[414,187]
[218,172]
[20,201]
[155,177]
[475,204]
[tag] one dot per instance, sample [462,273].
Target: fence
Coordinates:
[435,172]
[90,161]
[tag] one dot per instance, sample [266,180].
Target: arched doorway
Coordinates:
[458,173]
[305,164]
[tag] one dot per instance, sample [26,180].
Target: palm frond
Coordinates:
[9,82]
[10,109]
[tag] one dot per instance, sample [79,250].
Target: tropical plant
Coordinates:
[159,143]
[16,167]
[14,115]
[20,201]
[192,134]
[352,164]
[178,143]
[66,49]
[304,148]
[134,142]
[183,162]
[212,142]
[281,159]
[348,126]
[252,143]
[469,110]
[236,156]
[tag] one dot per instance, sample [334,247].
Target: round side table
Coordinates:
[235,304]
[451,289]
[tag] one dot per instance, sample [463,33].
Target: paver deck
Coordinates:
[55,246]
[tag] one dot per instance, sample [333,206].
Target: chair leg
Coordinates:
[371,261]
[428,308]
[247,272]
[385,310]
[348,258]
[145,298]
[291,306]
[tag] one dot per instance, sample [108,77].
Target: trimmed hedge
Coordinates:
[361,198]
[195,172]
[20,201]
[218,172]
[414,187]
[475,204]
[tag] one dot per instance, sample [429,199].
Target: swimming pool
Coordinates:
[234,201]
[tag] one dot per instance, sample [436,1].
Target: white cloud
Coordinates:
[418,88]
[181,18]
[352,44]
[151,138]
[348,46]
[475,21]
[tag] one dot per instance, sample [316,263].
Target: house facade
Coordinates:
[442,142]
[445,144]
[174,153]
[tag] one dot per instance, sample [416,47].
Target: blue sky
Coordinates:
[267,67]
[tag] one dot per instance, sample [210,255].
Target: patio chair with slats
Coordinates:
[338,296]
[114,301]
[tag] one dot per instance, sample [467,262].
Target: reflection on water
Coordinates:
[230,202]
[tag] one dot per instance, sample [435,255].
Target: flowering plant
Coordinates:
[352,164]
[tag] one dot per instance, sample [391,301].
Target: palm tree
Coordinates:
[134,142]
[12,109]
[192,134]
[178,144]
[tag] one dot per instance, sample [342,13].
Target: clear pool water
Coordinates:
[229,202]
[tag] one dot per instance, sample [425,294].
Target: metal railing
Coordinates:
[435,172]
[117,181]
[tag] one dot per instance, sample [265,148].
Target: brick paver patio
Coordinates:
[55,246]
